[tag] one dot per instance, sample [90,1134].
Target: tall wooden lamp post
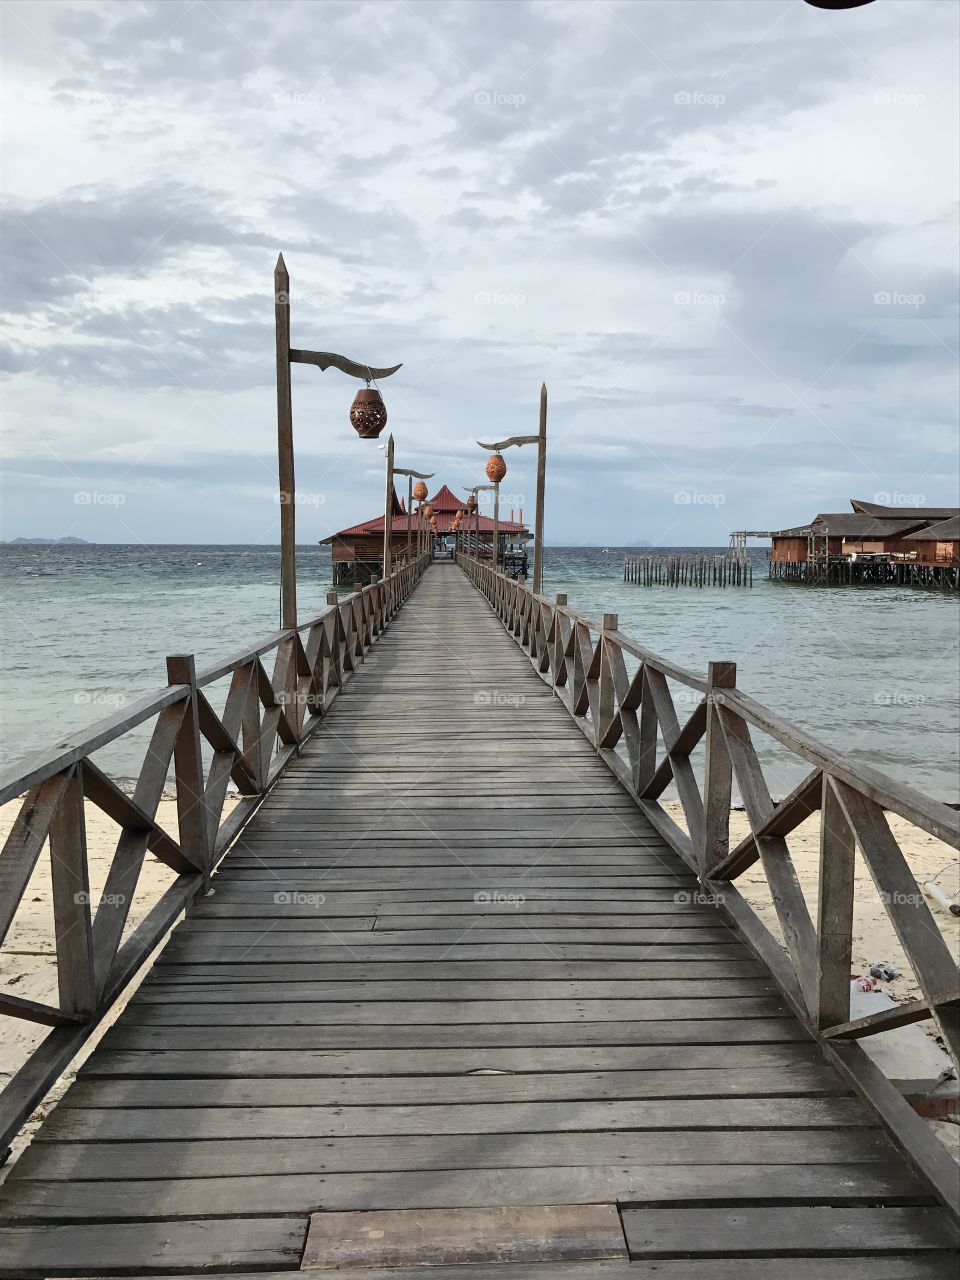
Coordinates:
[367,414]
[540,440]
[388,504]
[495,490]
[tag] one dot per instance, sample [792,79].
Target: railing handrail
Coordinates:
[934,816]
[19,775]
[613,705]
[265,721]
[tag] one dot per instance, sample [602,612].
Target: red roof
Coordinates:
[445,504]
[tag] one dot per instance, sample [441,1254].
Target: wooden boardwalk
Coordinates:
[450,965]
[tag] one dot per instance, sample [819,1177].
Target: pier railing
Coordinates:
[266,718]
[619,694]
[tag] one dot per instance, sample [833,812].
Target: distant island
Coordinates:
[46,541]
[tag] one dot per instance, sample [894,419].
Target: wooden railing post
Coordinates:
[718,773]
[70,883]
[834,911]
[607,691]
[188,770]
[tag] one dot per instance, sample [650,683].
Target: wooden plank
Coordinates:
[485,1036]
[36,1252]
[425,990]
[848,1267]
[503,1234]
[657,1233]
[800,1080]
[450,1012]
[213,1158]
[76,1124]
[222,1064]
[791,1187]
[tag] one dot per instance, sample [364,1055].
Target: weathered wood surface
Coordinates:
[450,966]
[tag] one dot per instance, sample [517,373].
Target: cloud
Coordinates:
[722,232]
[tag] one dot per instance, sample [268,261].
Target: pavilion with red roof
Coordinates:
[358,550]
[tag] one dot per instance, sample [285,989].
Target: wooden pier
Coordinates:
[458,960]
[866,571]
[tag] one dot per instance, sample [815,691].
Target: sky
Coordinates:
[722,232]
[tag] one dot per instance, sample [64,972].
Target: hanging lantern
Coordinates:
[368,413]
[427,513]
[419,491]
[472,503]
[496,468]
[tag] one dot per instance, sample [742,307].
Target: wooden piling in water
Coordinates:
[696,570]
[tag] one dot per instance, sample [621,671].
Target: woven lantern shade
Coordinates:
[419,491]
[427,513]
[368,413]
[496,468]
[472,503]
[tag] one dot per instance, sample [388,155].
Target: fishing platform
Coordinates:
[454,995]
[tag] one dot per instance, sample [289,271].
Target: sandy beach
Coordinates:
[874,939]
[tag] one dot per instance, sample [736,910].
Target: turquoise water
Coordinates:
[872,671]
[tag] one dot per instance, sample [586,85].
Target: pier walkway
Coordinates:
[450,965]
